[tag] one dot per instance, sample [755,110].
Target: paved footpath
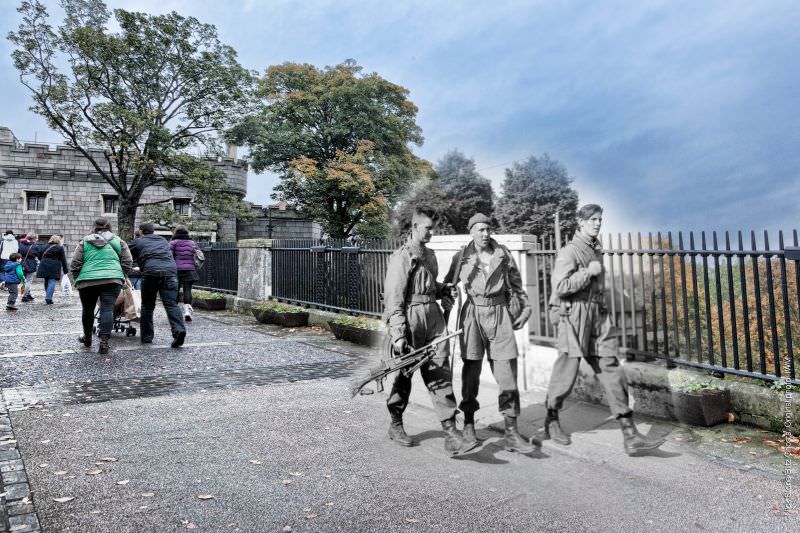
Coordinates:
[252,428]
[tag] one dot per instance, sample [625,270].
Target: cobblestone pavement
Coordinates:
[252,428]
[43,366]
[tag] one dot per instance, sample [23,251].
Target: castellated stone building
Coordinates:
[57,191]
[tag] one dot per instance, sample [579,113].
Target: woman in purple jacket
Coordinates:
[183,248]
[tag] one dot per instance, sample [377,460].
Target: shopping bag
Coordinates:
[129,302]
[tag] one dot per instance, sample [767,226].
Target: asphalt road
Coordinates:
[249,428]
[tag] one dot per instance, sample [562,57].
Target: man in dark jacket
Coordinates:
[159,276]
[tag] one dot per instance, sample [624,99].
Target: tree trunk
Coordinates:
[126,217]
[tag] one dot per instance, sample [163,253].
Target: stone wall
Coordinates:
[74,190]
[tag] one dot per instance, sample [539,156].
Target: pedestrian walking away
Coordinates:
[29,250]
[52,267]
[185,252]
[159,277]
[8,246]
[586,330]
[13,277]
[99,265]
[491,280]
[414,319]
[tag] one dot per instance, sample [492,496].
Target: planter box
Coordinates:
[365,337]
[707,408]
[209,305]
[288,320]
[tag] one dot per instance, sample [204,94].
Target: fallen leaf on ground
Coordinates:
[19,527]
[287,529]
[123,482]
[43,465]
[109,459]
[753,453]
[45,441]
[286,481]
[205,497]
[65,499]
[27,499]
[737,445]
[327,476]
[311,516]
[255,462]
[770,443]
[328,504]
[94,472]
[148,494]
[308,510]
[60,472]
[94,512]
[412,520]
[742,439]
[296,474]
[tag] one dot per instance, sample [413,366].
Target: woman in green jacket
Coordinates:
[99,265]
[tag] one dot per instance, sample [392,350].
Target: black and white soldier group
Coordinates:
[495,305]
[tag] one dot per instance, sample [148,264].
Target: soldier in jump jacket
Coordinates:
[490,277]
[414,319]
[586,330]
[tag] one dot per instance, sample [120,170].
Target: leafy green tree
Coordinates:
[533,191]
[465,190]
[135,102]
[339,141]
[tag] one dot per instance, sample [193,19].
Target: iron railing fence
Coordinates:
[722,302]
[220,271]
[332,273]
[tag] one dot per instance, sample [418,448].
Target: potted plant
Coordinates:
[282,314]
[210,301]
[358,330]
[700,403]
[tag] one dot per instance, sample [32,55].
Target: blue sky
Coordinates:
[674,115]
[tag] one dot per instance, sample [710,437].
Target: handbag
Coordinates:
[130,302]
[199,258]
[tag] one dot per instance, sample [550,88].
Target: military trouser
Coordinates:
[424,323]
[505,373]
[608,372]
[586,331]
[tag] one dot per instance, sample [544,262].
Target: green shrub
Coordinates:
[207,295]
[277,307]
[695,385]
[359,322]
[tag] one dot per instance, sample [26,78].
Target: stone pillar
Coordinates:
[446,246]
[255,269]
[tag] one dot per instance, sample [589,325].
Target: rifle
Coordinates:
[407,363]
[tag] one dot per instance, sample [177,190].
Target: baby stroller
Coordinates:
[127,309]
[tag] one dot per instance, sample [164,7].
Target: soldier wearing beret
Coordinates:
[490,277]
[586,330]
[414,319]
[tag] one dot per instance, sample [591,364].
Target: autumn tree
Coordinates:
[533,191]
[339,141]
[136,103]
[465,191]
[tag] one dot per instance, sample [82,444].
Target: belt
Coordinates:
[421,299]
[485,301]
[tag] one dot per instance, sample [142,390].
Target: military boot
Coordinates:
[398,434]
[86,340]
[635,441]
[553,431]
[454,442]
[514,442]
[469,429]
[103,348]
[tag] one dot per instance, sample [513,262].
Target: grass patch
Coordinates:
[208,295]
[696,385]
[278,307]
[359,322]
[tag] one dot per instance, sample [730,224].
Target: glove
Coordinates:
[523,318]
[594,268]
[447,302]
[399,347]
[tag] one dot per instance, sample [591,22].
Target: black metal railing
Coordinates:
[220,272]
[332,274]
[718,302]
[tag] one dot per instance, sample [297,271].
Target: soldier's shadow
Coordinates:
[583,420]
[485,453]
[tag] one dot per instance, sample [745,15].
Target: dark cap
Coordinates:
[477,218]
